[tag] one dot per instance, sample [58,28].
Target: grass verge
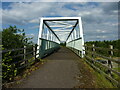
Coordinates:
[101,81]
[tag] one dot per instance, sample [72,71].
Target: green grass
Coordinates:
[117,69]
[116,76]
[101,81]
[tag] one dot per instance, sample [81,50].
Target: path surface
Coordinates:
[60,71]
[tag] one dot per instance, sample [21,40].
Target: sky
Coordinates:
[100,19]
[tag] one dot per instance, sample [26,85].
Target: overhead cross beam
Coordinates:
[72,30]
[61,19]
[50,29]
[62,24]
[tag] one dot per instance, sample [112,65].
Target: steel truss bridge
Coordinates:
[61,66]
[53,31]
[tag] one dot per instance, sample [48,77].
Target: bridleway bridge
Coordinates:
[65,65]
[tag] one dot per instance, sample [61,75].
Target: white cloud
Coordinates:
[34,21]
[101,31]
[0,17]
[30,35]
[100,16]
[83,1]
[24,12]
[115,24]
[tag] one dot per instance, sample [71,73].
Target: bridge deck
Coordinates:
[63,69]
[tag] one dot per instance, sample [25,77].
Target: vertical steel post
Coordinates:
[40,35]
[47,34]
[81,35]
[75,34]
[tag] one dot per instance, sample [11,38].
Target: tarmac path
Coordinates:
[63,69]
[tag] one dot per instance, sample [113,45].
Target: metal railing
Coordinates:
[47,47]
[76,46]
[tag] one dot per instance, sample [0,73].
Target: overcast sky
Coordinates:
[100,20]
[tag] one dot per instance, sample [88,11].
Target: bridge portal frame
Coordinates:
[78,22]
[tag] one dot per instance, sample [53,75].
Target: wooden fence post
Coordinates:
[24,51]
[85,49]
[34,51]
[93,47]
[109,62]
[93,50]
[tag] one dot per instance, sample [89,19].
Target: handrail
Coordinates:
[110,78]
[93,53]
[3,51]
[19,64]
[90,55]
[16,49]
[22,54]
[108,49]
[103,65]
[108,58]
[75,40]
[48,40]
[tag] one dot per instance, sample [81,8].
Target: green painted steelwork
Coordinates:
[48,30]
[47,47]
[76,45]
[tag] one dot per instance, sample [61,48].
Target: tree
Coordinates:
[105,44]
[12,38]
